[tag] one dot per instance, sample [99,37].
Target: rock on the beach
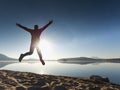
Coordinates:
[2,88]
[20,88]
[39,88]
[93,88]
[99,78]
[60,88]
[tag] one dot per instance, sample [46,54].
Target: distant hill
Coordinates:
[4,57]
[80,59]
[86,60]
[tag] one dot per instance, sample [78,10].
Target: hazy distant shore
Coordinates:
[85,60]
[76,60]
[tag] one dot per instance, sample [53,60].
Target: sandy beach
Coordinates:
[13,80]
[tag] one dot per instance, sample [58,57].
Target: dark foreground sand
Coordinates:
[12,80]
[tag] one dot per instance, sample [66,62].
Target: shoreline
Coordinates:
[15,80]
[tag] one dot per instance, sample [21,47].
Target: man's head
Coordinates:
[35,26]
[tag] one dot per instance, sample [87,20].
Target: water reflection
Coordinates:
[110,70]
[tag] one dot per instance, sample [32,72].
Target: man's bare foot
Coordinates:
[42,61]
[21,57]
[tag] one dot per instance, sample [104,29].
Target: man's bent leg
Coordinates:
[27,53]
[23,55]
[40,56]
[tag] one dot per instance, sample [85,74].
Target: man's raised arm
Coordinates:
[44,27]
[23,27]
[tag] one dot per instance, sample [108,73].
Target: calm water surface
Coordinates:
[111,70]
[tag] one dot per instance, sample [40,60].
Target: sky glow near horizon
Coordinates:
[88,28]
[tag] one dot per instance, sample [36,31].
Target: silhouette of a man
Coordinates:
[35,38]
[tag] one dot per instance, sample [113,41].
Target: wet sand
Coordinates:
[13,80]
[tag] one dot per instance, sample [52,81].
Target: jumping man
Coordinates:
[35,38]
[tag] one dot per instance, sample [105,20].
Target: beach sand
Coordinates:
[14,80]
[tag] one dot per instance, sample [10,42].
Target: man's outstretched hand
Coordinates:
[51,21]
[17,24]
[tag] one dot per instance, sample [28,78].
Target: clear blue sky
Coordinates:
[89,28]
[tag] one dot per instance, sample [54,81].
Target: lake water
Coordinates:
[111,70]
